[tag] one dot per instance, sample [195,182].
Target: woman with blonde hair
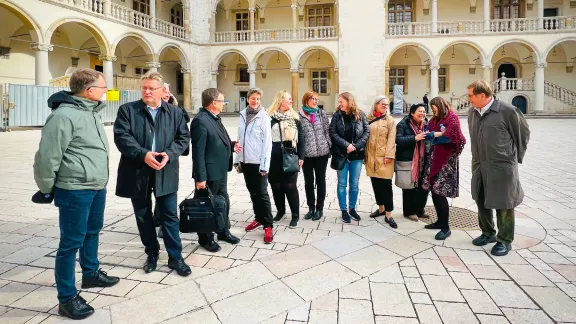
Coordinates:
[349,132]
[380,156]
[287,156]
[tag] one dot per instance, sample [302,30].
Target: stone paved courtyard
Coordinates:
[322,272]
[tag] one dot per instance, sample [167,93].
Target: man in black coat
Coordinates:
[212,158]
[151,135]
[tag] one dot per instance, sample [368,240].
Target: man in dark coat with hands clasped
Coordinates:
[151,135]
[212,158]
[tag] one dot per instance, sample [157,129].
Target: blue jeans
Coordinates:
[350,172]
[81,219]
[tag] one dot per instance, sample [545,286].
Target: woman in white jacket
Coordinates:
[255,143]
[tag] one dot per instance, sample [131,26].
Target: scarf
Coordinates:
[442,152]
[251,113]
[288,130]
[377,114]
[311,112]
[418,157]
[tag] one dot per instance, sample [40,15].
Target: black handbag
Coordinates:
[204,213]
[337,162]
[289,156]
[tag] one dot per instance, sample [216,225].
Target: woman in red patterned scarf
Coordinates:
[441,174]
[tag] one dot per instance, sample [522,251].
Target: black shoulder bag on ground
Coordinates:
[204,213]
[289,156]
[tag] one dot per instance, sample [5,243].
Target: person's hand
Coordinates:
[201,185]
[150,159]
[164,161]
[387,160]
[421,136]
[263,173]
[300,163]
[237,148]
[351,148]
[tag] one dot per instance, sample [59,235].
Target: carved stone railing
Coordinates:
[62,81]
[461,27]
[515,84]
[559,93]
[520,25]
[410,29]
[283,34]
[326,32]
[126,83]
[559,23]
[267,35]
[460,103]
[131,16]
[232,37]
[167,28]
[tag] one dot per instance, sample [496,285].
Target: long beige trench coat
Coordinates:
[381,145]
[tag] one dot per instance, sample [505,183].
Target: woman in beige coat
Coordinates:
[380,155]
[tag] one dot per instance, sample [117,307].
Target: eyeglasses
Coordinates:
[222,101]
[149,88]
[315,99]
[96,87]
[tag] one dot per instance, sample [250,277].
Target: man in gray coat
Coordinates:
[499,135]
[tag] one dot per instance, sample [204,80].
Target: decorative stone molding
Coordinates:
[530,4]
[251,71]
[473,6]
[426,7]
[107,58]
[153,65]
[214,73]
[540,65]
[252,10]
[184,71]
[434,67]
[294,71]
[294,7]
[472,70]
[486,66]
[41,47]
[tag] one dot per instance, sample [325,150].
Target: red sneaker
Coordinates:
[254,225]
[268,235]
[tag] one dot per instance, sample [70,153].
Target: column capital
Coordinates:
[294,7]
[185,71]
[107,58]
[434,67]
[336,70]
[385,2]
[153,65]
[214,73]
[251,71]
[294,71]
[41,47]
[540,65]
[252,10]
[486,66]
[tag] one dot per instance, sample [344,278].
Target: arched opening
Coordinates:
[507,70]
[177,14]
[318,72]
[234,16]
[232,78]
[521,103]
[516,59]
[559,72]
[172,62]
[459,65]
[272,69]
[134,57]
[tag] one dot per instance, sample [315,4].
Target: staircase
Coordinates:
[563,95]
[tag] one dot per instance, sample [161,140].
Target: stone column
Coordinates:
[213,26]
[295,75]
[252,74]
[486,16]
[539,86]
[153,14]
[187,89]
[434,81]
[336,81]
[487,73]
[153,66]
[252,22]
[294,20]
[434,16]
[41,67]
[108,65]
[214,82]
[386,81]
[541,15]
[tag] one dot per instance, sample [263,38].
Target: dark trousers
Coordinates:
[285,188]
[383,193]
[167,208]
[442,210]
[81,219]
[257,185]
[315,166]
[504,217]
[414,201]
[218,188]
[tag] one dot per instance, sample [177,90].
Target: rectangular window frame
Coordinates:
[393,74]
[320,79]
[323,15]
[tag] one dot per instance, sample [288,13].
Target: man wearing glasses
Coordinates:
[71,167]
[151,135]
[212,158]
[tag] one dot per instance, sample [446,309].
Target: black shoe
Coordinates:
[182,269]
[442,235]
[229,238]
[99,279]
[160,233]
[345,217]
[391,221]
[294,222]
[501,249]
[377,213]
[279,216]
[76,308]
[310,214]
[151,263]
[318,215]
[354,215]
[433,226]
[211,247]
[483,240]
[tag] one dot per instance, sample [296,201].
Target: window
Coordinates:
[506,9]
[319,16]
[243,75]
[177,15]
[397,77]
[140,71]
[242,21]
[400,11]
[320,82]
[142,6]
[442,79]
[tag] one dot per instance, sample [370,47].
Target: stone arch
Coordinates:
[528,44]
[185,63]
[313,48]
[34,28]
[460,42]
[417,45]
[220,56]
[143,42]
[556,43]
[93,29]
[271,49]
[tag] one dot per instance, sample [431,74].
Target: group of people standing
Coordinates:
[71,166]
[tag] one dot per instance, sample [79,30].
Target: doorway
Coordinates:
[550,24]
[508,69]
[521,103]
[243,103]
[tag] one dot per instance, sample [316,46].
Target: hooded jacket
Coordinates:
[256,139]
[73,151]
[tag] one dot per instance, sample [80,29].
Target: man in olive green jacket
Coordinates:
[71,165]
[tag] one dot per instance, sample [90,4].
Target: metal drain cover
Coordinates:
[460,218]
